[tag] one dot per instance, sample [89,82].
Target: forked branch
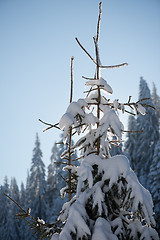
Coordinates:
[85,50]
[50,125]
[37,225]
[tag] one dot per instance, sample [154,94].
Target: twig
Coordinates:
[130,113]
[85,51]
[129,99]
[63,178]
[71,95]
[78,158]
[82,124]
[91,90]
[143,99]
[87,78]
[61,143]
[114,144]
[99,19]
[147,105]
[49,124]
[15,202]
[133,131]
[26,213]
[65,163]
[114,66]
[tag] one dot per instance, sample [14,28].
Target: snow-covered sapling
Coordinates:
[109,203]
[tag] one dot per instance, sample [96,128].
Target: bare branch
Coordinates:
[85,51]
[129,99]
[114,144]
[147,105]
[63,178]
[78,158]
[79,126]
[71,94]
[91,90]
[143,99]
[61,163]
[61,143]
[49,124]
[88,78]
[133,131]
[115,66]
[99,19]
[70,152]
[15,202]
[25,212]
[130,113]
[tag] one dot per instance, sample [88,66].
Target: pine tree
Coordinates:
[154,182]
[146,141]
[109,203]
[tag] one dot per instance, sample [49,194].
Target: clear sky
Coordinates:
[37,40]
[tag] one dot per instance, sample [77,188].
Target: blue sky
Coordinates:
[37,40]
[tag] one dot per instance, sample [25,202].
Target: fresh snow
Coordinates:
[141,109]
[102,230]
[101,83]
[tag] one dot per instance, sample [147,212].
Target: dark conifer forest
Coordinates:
[41,191]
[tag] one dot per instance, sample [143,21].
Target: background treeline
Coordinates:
[41,192]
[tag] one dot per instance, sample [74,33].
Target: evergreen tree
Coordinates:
[28,233]
[5,228]
[23,225]
[110,203]
[60,173]
[56,179]
[52,190]
[37,183]
[130,143]
[14,224]
[154,182]
[115,149]
[156,102]
[146,141]
[36,188]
